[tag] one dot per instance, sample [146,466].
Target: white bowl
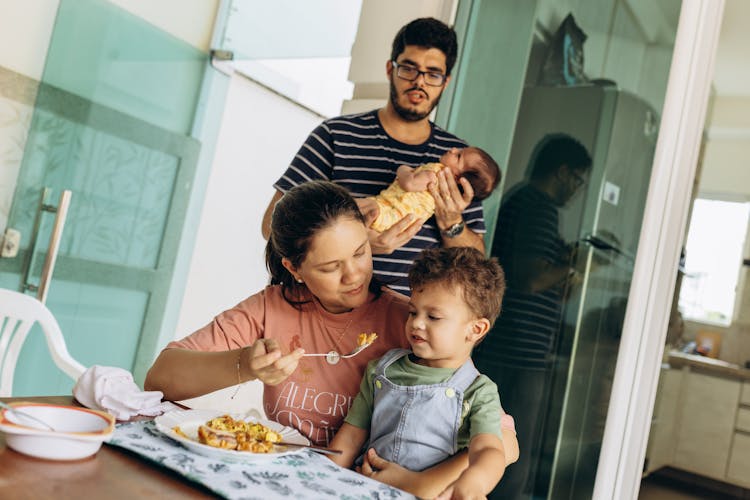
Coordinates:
[79,432]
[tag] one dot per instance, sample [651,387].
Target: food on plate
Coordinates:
[366,338]
[227,433]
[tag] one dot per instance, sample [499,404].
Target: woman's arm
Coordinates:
[486,467]
[425,484]
[183,373]
[349,439]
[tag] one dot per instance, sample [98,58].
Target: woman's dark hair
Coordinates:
[298,216]
[430,33]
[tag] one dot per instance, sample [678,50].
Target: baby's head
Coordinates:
[477,166]
[476,282]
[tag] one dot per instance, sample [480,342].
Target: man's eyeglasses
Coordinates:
[578,179]
[410,74]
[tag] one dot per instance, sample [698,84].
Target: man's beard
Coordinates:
[410,115]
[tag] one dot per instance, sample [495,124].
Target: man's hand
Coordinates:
[392,238]
[369,208]
[449,201]
[395,236]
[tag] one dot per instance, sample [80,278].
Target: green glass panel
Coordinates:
[111,123]
[109,56]
[101,325]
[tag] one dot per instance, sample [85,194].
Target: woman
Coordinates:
[321,298]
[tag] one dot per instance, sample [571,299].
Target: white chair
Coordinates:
[18,313]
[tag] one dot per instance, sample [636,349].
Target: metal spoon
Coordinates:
[333,357]
[25,415]
[318,449]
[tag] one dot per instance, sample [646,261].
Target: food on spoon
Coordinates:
[227,433]
[366,338]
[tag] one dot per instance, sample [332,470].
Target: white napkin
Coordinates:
[113,390]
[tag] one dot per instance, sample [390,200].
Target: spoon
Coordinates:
[318,449]
[333,357]
[25,415]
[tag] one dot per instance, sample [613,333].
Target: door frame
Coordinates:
[662,234]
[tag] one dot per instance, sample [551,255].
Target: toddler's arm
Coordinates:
[411,180]
[350,440]
[486,467]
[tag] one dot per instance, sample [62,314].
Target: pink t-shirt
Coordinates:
[317,396]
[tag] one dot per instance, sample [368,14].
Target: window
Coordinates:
[714,252]
[304,56]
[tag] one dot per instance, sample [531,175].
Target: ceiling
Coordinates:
[732,66]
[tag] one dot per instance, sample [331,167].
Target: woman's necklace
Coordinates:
[333,356]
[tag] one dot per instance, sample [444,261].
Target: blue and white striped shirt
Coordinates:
[524,334]
[355,152]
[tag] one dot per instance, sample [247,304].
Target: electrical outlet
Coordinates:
[10,243]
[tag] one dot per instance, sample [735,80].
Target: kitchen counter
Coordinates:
[677,359]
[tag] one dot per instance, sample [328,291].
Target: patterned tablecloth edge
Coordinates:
[301,475]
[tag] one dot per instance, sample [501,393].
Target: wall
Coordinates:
[260,133]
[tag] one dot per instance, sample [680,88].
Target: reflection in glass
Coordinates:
[597,75]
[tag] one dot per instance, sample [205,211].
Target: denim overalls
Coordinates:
[417,426]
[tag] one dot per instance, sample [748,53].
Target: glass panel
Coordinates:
[265,41]
[102,326]
[110,122]
[568,227]
[120,61]
[258,29]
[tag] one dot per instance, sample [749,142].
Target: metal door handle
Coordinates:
[61,213]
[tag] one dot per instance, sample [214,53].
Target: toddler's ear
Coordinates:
[479,329]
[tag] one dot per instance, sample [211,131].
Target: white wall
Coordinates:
[725,165]
[260,133]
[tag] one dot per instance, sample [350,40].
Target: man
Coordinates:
[363,151]
[516,354]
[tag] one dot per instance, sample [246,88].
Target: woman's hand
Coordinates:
[267,363]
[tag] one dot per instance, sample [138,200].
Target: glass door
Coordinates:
[110,122]
[568,98]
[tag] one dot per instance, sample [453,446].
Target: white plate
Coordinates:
[190,420]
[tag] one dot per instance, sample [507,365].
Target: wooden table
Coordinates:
[112,473]
[115,472]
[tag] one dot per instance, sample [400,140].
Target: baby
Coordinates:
[418,407]
[408,194]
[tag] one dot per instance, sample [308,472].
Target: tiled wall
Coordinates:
[17,95]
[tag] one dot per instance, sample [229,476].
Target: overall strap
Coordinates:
[388,359]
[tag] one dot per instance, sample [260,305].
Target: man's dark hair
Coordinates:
[430,33]
[555,150]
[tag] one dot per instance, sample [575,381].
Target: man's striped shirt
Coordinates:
[355,152]
[524,334]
